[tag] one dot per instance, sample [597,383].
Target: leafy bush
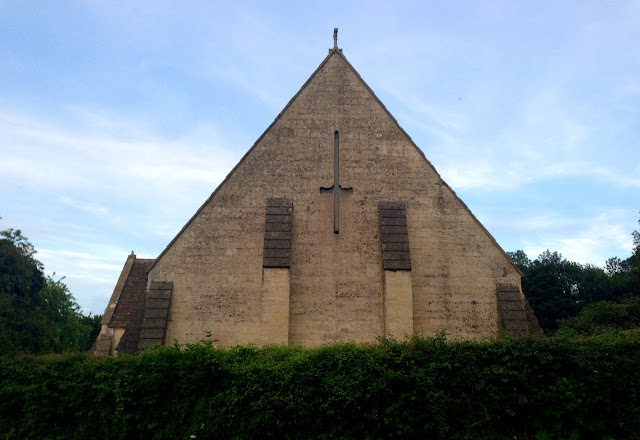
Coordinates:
[38,314]
[426,388]
[602,317]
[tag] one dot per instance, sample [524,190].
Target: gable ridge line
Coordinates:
[118,289]
[420,152]
[486,231]
[245,156]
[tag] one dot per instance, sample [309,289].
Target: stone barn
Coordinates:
[334,226]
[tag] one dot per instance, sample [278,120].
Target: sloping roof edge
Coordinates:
[430,164]
[337,52]
[132,290]
[166,249]
[117,291]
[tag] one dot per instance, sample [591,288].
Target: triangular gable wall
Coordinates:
[337,53]
[215,261]
[244,157]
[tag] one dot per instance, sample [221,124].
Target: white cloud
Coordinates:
[556,148]
[586,240]
[47,155]
[92,208]
[90,274]
[104,180]
[499,97]
[631,86]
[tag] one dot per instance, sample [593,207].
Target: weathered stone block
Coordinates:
[161,285]
[278,227]
[397,255]
[159,294]
[512,305]
[279,210]
[148,343]
[510,296]
[277,244]
[397,265]
[396,246]
[393,221]
[156,313]
[516,325]
[279,219]
[392,213]
[392,205]
[275,306]
[277,253]
[394,238]
[386,229]
[398,304]
[151,303]
[154,323]
[276,262]
[514,315]
[277,235]
[151,333]
[279,202]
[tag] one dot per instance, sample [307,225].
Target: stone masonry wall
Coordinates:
[335,279]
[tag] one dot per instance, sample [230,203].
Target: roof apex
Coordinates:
[335,42]
[332,52]
[335,51]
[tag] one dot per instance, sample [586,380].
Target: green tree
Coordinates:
[94,322]
[633,263]
[615,265]
[551,284]
[603,316]
[520,259]
[558,289]
[67,328]
[21,280]
[625,274]
[38,314]
[594,285]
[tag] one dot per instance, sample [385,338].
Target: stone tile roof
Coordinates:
[132,296]
[129,341]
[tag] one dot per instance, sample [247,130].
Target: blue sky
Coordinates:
[118,119]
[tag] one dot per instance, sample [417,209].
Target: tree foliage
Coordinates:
[602,317]
[550,388]
[38,314]
[562,291]
[552,287]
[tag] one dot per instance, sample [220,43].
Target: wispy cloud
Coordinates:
[586,240]
[132,105]
[538,145]
[92,208]
[38,154]
[91,275]
[106,180]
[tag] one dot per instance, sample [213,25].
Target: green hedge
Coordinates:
[427,388]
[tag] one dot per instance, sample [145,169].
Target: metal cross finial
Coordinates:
[336,189]
[335,38]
